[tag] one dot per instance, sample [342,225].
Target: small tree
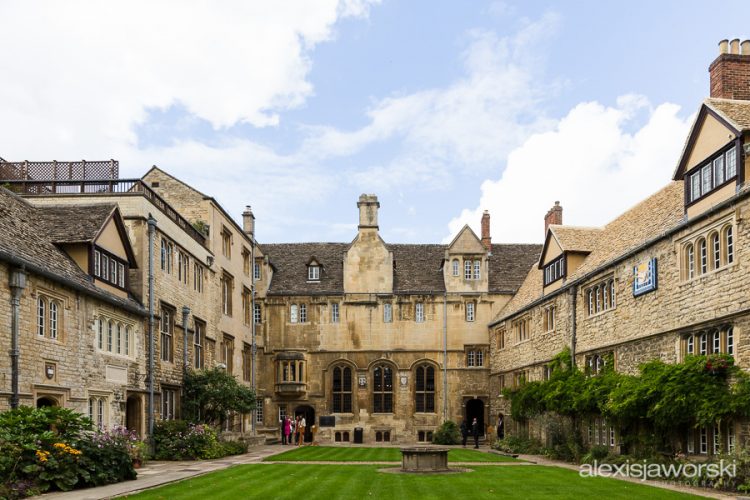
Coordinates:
[447,433]
[210,395]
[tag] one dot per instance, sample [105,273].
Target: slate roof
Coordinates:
[736,112]
[417,267]
[30,235]
[76,223]
[644,222]
[575,239]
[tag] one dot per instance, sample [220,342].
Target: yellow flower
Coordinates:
[60,445]
[42,455]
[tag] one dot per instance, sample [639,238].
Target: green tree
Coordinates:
[211,395]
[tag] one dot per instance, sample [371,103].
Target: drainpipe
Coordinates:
[17,285]
[151,231]
[445,356]
[185,315]
[254,347]
[573,298]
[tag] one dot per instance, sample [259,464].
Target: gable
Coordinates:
[709,134]
[552,250]
[466,242]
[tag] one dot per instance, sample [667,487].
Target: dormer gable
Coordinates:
[466,242]
[465,265]
[564,251]
[710,164]
[314,269]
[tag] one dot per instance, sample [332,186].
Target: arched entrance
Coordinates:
[134,414]
[45,402]
[475,409]
[309,414]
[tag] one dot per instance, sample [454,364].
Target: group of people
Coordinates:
[293,430]
[474,430]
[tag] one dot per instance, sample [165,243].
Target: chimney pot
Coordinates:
[486,238]
[745,48]
[734,46]
[723,46]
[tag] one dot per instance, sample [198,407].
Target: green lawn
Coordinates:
[343,454]
[310,481]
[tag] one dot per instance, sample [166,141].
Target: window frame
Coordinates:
[701,180]
[424,388]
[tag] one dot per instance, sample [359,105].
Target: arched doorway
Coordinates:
[134,414]
[45,402]
[309,414]
[475,409]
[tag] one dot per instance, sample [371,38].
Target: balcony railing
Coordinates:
[290,388]
[134,187]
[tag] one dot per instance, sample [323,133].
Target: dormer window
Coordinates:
[109,268]
[555,270]
[313,272]
[713,174]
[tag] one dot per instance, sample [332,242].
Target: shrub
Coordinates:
[178,440]
[232,448]
[447,433]
[598,453]
[517,444]
[56,449]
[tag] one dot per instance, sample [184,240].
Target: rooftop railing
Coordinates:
[135,187]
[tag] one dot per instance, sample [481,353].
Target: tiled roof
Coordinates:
[29,237]
[736,112]
[645,221]
[417,268]
[575,239]
[289,261]
[76,223]
[509,264]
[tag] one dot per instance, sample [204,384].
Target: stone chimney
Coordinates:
[554,216]
[486,239]
[248,221]
[730,72]
[368,211]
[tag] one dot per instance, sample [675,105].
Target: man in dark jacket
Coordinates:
[475,432]
[464,432]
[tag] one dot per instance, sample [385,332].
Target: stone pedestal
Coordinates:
[424,459]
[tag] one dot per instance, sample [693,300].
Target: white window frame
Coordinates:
[419,312]
[313,273]
[703,344]
[303,313]
[387,312]
[456,267]
[477,269]
[470,311]
[467,270]
[293,313]
[257,314]
[41,318]
[334,312]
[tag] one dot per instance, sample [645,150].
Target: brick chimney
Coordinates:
[486,239]
[730,72]
[248,221]
[554,216]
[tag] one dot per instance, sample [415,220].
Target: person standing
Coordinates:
[475,432]
[464,432]
[500,427]
[301,431]
[287,430]
[292,431]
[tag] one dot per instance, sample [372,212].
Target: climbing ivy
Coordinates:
[702,390]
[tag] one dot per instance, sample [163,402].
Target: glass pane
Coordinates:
[348,379]
[420,379]
[337,379]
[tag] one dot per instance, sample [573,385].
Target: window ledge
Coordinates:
[709,273]
[601,313]
[522,342]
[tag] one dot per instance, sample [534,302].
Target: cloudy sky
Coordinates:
[443,109]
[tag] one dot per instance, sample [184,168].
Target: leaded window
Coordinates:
[425,389]
[342,389]
[382,389]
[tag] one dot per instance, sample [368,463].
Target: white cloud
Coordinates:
[468,126]
[589,162]
[79,74]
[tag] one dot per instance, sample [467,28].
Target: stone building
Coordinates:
[185,276]
[383,342]
[74,332]
[668,278]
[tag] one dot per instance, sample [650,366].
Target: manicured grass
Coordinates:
[343,454]
[311,481]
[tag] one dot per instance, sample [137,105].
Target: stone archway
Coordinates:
[474,408]
[134,414]
[309,414]
[46,401]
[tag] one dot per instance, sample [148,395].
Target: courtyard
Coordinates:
[339,472]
